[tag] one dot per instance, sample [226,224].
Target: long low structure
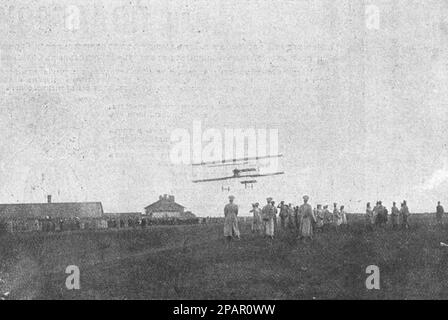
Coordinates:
[53,210]
[65,216]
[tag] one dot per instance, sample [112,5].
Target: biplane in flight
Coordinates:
[243,173]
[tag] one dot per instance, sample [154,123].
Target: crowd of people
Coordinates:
[55,224]
[378,215]
[271,218]
[308,221]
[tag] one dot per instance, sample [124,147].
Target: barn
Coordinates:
[58,216]
[166,207]
[51,209]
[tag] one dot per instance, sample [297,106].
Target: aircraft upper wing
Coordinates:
[223,164]
[237,160]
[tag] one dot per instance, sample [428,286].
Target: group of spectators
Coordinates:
[379,215]
[271,218]
[307,220]
[57,224]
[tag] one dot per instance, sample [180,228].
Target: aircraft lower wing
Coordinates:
[263,175]
[225,164]
[238,177]
[214,179]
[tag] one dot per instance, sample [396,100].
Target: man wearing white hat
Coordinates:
[256,222]
[231,220]
[284,214]
[268,214]
[404,213]
[306,212]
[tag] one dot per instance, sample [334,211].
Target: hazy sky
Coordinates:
[90,96]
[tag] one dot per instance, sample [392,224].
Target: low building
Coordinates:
[166,207]
[59,216]
[51,209]
[189,215]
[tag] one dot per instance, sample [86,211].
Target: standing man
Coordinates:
[375,213]
[370,219]
[337,219]
[381,214]
[394,215]
[404,212]
[296,217]
[306,226]
[439,214]
[275,215]
[268,214]
[344,220]
[290,217]
[328,217]
[256,222]
[319,218]
[284,213]
[231,220]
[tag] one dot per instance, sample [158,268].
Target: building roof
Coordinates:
[165,203]
[162,205]
[55,209]
[189,215]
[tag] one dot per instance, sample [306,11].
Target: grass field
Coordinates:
[192,262]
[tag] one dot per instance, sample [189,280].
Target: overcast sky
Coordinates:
[88,105]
